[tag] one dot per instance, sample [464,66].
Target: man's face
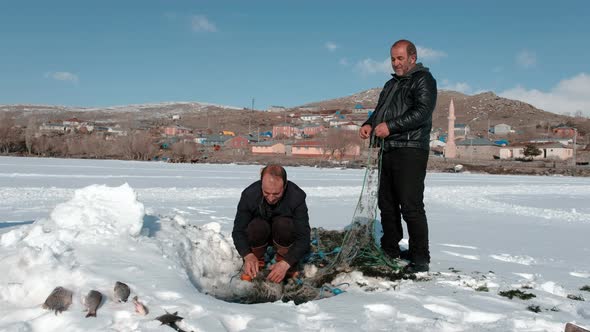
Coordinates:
[400,61]
[272,188]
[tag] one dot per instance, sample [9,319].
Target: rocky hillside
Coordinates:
[477,110]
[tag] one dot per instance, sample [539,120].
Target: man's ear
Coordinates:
[413,59]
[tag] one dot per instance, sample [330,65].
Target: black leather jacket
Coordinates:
[252,204]
[406,104]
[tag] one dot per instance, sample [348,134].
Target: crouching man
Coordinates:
[272,211]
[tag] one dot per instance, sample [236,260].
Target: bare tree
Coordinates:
[32,127]
[185,151]
[7,132]
[138,145]
[337,141]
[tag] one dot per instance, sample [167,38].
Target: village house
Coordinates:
[360,109]
[350,126]
[501,129]
[461,130]
[176,130]
[548,151]
[318,149]
[564,131]
[338,123]
[562,141]
[73,122]
[285,130]
[310,117]
[236,142]
[218,140]
[200,139]
[308,149]
[268,147]
[477,149]
[53,127]
[311,130]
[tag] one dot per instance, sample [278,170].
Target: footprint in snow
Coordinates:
[522,260]
[471,257]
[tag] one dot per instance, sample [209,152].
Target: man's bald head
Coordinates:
[409,46]
[274,182]
[403,57]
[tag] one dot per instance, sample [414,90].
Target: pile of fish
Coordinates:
[60,300]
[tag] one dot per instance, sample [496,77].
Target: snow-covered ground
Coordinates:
[164,229]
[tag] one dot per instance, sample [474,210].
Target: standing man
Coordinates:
[272,210]
[402,122]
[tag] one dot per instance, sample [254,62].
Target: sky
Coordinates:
[106,53]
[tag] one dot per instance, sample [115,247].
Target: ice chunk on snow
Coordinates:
[236,322]
[102,211]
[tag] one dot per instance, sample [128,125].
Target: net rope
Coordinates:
[359,248]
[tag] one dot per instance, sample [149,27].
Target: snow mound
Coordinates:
[95,213]
[101,211]
[213,262]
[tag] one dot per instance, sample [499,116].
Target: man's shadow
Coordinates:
[151,224]
[15,223]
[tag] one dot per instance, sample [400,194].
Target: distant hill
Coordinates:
[151,110]
[476,110]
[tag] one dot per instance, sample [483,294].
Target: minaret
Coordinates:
[451,148]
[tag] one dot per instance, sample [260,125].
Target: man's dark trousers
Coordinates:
[401,190]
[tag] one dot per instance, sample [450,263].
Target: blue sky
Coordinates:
[100,53]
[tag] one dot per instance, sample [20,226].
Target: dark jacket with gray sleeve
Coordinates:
[406,104]
[252,204]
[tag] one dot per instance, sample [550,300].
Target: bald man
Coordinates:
[272,211]
[401,124]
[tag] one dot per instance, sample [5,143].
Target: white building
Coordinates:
[311,117]
[548,151]
[502,129]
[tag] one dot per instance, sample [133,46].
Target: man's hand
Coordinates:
[365,131]
[381,130]
[278,271]
[251,265]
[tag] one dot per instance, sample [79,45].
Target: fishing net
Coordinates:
[356,248]
[334,252]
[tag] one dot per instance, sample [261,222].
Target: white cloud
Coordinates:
[569,95]
[370,66]
[62,76]
[200,23]
[429,54]
[331,46]
[457,86]
[526,59]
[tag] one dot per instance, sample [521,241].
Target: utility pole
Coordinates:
[251,114]
[575,137]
